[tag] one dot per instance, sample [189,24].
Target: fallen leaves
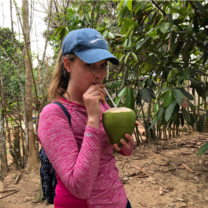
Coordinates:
[11,192]
[1,186]
[166,164]
[187,167]
[124,179]
[197,178]
[162,190]
[152,180]
[200,162]
[170,205]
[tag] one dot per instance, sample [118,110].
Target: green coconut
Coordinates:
[117,122]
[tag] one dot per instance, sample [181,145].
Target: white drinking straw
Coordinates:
[110,97]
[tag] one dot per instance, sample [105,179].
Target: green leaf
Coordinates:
[186,115]
[120,95]
[120,5]
[143,5]
[207,114]
[129,5]
[178,49]
[169,17]
[164,27]
[121,58]
[125,43]
[138,98]
[186,74]
[200,7]
[173,37]
[189,28]
[187,94]
[203,149]
[178,96]
[168,98]
[156,108]
[162,90]
[151,92]
[139,45]
[160,114]
[129,101]
[192,122]
[171,75]
[129,30]
[197,85]
[105,33]
[126,58]
[169,110]
[111,35]
[134,56]
[145,95]
[154,121]
[87,17]
[196,25]
[131,21]
[200,126]
[182,119]
[186,53]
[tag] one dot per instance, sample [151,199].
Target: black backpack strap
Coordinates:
[65,111]
[47,173]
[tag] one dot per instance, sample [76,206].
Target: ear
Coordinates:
[67,64]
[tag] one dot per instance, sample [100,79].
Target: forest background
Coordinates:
[162,47]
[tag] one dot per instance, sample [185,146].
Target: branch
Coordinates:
[92,14]
[98,13]
[166,14]
[28,52]
[197,13]
[46,43]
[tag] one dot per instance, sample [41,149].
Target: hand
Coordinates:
[91,99]
[125,144]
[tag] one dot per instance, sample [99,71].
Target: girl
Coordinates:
[81,154]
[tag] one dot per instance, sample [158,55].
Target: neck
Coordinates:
[73,94]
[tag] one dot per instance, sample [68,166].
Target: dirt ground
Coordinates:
[165,174]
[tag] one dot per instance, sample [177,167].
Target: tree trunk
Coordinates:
[33,162]
[4,165]
[26,138]
[16,149]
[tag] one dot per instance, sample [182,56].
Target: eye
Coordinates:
[90,65]
[104,65]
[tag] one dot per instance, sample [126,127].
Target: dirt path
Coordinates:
[164,180]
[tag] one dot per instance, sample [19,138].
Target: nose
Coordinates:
[98,72]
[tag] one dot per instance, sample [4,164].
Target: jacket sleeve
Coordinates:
[77,169]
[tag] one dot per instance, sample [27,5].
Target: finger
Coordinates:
[137,123]
[101,89]
[129,137]
[97,98]
[101,85]
[116,147]
[125,144]
[102,93]
[93,88]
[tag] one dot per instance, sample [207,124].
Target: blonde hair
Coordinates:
[60,77]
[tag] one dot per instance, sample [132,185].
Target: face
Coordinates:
[83,75]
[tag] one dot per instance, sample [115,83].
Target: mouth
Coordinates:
[95,83]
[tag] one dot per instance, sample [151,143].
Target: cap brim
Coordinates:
[94,55]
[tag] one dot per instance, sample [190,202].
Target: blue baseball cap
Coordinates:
[89,45]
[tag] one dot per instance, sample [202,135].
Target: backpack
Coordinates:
[47,173]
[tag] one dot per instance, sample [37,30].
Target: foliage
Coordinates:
[9,63]
[165,41]
[162,47]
